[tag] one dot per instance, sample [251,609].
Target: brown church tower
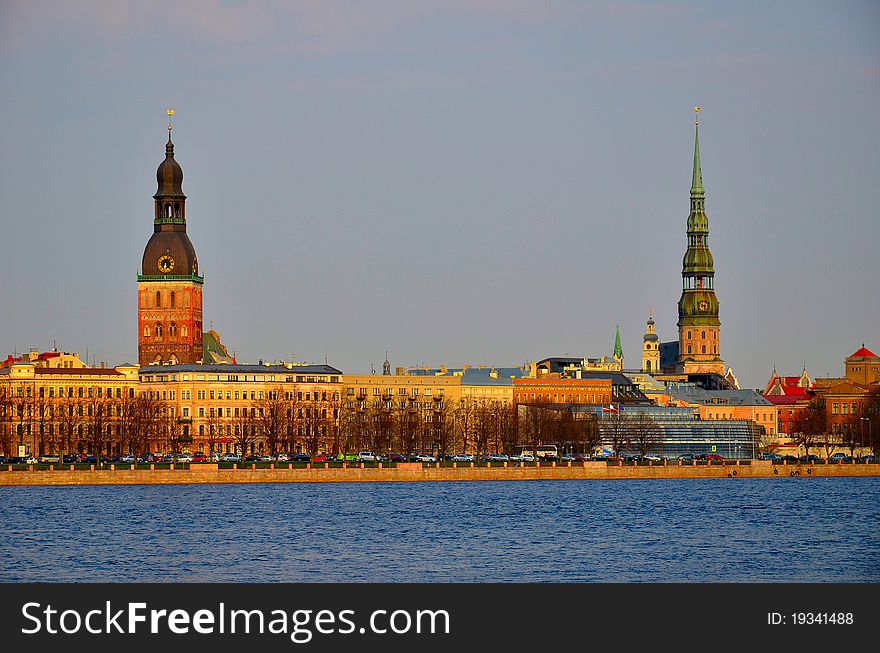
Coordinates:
[169,286]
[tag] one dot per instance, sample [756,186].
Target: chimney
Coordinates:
[103,365]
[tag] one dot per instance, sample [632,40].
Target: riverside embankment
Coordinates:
[417,472]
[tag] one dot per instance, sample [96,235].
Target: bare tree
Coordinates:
[465,422]
[536,425]
[271,416]
[244,430]
[645,433]
[809,424]
[614,427]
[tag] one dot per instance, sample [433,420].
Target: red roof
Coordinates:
[866,353]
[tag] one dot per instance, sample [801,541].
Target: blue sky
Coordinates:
[456,182]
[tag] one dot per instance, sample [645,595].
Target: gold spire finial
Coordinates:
[697,110]
[651,313]
[170,113]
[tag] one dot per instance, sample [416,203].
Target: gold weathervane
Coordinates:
[170,113]
[697,110]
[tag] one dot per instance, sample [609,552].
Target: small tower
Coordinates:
[618,350]
[651,348]
[386,366]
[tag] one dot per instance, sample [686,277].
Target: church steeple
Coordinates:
[618,350]
[169,286]
[698,322]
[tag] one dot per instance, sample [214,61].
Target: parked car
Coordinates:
[397,458]
[840,458]
[366,457]
[809,459]
[654,458]
[199,457]
[230,458]
[49,459]
[425,458]
[127,459]
[347,457]
[462,458]
[184,458]
[773,457]
[320,458]
[687,457]
[869,458]
[497,458]
[302,458]
[282,458]
[527,458]
[715,458]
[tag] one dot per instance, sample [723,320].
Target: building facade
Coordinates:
[245,409]
[57,405]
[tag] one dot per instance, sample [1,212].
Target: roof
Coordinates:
[668,354]
[697,394]
[227,368]
[78,371]
[863,352]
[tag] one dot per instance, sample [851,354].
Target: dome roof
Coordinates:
[174,244]
[651,337]
[169,175]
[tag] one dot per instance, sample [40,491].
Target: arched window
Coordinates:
[704,349]
[183,331]
[158,330]
[146,331]
[158,299]
[689,335]
[167,210]
[689,349]
[173,306]
[647,366]
[177,210]
[172,330]
[716,349]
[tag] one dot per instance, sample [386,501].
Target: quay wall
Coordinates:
[209,473]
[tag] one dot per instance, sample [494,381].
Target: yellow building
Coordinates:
[248,409]
[53,403]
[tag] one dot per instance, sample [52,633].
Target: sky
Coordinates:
[460,182]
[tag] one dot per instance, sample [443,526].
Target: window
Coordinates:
[146,332]
[375,392]
[173,303]
[689,349]
[704,349]
[844,408]
[158,299]
[703,336]
[689,335]
[186,412]
[834,409]
[158,330]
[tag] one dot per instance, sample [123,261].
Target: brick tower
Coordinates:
[169,286]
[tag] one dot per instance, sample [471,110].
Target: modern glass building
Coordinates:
[682,431]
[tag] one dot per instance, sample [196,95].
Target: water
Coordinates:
[670,530]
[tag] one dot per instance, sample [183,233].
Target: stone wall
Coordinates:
[482,472]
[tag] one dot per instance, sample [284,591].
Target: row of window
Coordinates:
[427,392]
[70,391]
[172,331]
[844,408]
[558,398]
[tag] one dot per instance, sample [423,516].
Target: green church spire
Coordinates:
[618,350]
[697,184]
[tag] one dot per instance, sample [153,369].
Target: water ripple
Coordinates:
[664,530]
